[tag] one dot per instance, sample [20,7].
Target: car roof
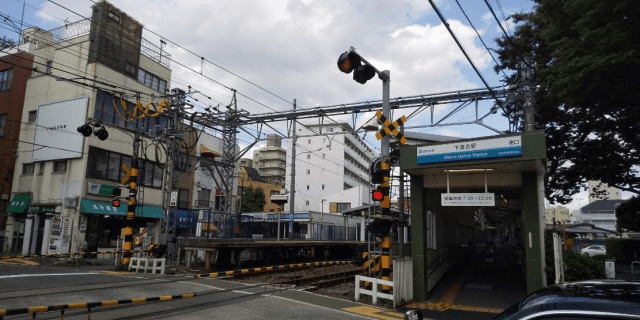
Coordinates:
[593,295]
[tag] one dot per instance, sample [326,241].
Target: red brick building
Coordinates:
[15,69]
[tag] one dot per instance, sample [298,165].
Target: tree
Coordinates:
[252,200]
[628,215]
[587,55]
[6,42]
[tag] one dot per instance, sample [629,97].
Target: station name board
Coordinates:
[471,150]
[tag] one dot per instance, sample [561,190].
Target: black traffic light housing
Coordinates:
[351,61]
[376,172]
[86,131]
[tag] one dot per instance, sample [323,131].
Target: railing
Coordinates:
[155,53]
[70,31]
[401,287]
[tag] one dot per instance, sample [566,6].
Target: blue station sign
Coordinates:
[471,150]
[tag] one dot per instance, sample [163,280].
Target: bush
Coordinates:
[577,267]
[622,249]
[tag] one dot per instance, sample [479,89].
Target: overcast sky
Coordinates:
[290,48]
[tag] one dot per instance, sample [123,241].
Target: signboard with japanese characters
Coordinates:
[467,199]
[471,150]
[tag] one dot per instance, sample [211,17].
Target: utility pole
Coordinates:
[527,73]
[293,168]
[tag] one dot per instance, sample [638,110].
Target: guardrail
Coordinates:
[401,286]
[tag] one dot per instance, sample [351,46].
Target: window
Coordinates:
[41,168]
[105,112]
[323,187]
[308,156]
[3,123]
[49,66]
[308,141]
[5,79]
[306,202]
[307,185]
[308,172]
[33,116]
[107,165]
[343,206]
[183,198]
[150,80]
[114,16]
[60,166]
[203,197]
[130,69]
[330,129]
[27,169]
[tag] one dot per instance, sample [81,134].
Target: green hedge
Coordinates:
[622,249]
[577,267]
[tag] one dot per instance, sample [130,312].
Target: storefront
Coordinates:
[18,208]
[104,223]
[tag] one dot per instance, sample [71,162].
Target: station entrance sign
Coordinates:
[467,199]
[471,150]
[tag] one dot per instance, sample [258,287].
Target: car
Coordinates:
[582,300]
[591,251]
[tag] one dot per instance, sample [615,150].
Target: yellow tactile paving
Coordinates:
[116,272]
[375,312]
[476,309]
[446,302]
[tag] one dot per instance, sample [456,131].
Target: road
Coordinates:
[215,298]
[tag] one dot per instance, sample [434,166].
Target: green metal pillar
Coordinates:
[418,239]
[532,230]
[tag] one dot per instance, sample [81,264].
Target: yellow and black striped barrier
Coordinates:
[60,255]
[89,305]
[272,268]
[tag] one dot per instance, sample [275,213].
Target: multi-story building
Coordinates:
[559,213]
[270,161]
[63,184]
[246,162]
[604,191]
[601,213]
[332,168]
[15,69]
[250,178]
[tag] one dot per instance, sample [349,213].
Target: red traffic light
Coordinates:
[377,195]
[115,203]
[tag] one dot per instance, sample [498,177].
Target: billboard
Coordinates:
[56,136]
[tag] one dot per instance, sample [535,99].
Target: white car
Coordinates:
[591,251]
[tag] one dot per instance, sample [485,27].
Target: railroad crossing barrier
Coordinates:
[88,305]
[265,269]
[154,264]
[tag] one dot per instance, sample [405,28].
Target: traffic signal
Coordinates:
[379,169]
[115,203]
[85,129]
[377,195]
[351,61]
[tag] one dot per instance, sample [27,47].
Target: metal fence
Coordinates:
[70,31]
[154,52]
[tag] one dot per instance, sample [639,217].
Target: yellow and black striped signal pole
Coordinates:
[131,203]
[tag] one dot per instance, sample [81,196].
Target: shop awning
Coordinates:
[19,203]
[88,206]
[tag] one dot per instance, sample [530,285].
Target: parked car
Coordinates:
[593,299]
[591,251]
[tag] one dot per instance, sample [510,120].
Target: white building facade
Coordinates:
[61,194]
[331,170]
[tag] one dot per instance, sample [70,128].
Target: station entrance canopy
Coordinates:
[462,190]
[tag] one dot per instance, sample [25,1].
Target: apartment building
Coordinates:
[15,70]
[62,188]
[602,191]
[270,161]
[559,213]
[332,168]
[601,213]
